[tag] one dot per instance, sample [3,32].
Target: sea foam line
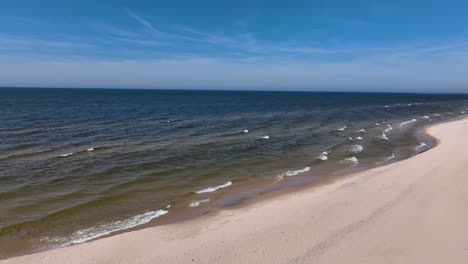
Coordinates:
[101,230]
[214,189]
[197,203]
[291,173]
[387,159]
[407,122]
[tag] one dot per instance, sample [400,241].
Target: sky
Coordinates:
[360,45]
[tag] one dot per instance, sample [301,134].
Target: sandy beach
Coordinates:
[413,211]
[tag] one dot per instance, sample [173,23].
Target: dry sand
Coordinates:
[413,211]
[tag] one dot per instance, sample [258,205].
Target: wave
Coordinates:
[66,154]
[291,173]
[359,138]
[407,122]
[357,149]
[197,203]
[383,136]
[361,131]
[324,155]
[426,117]
[352,160]
[246,131]
[421,145]
[90,149]
[387,159]
[101,230]
[388,129]
[266,137]
[214,189]
[377,124]
[342,128]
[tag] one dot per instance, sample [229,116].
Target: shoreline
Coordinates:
[224,220]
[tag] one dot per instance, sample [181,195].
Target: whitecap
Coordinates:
[109,228]
[377,124]
[350,160]
[342,128]
[359,138]
[407,122]
[387,106]
[90,149]
[246,131]
[197,203]
[388,129]
[66,155]
[213,189]
[357,149]
[291,173]
[266,137]
[383,136]
[324,155]
[361,131]
[425,117]
[350,138]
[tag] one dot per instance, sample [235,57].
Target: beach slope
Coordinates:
[413,211]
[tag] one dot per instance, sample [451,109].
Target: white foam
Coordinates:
[350,138]
[266,137]
[421,145]
[388,129]
[361,131]
[383,136]
[387,106]
[437,115]
[377,124]
[407,122]
[425,117]
[357,149]
[387,159]
[197,203]
[246,131]
[342,128]
[291,173]
[324,155]
[100,230]
[359,138]
[90,149]
[66,155]
[214,189]
[351,160]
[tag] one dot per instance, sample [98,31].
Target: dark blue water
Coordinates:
[77,164]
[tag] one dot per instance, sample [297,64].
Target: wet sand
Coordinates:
[412,211]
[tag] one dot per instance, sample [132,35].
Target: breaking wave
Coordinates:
[214,189]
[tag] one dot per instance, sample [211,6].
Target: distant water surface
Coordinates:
[78,164]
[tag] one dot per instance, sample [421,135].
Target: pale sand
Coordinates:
[413,211]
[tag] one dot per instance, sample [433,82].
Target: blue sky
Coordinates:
[412,46]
